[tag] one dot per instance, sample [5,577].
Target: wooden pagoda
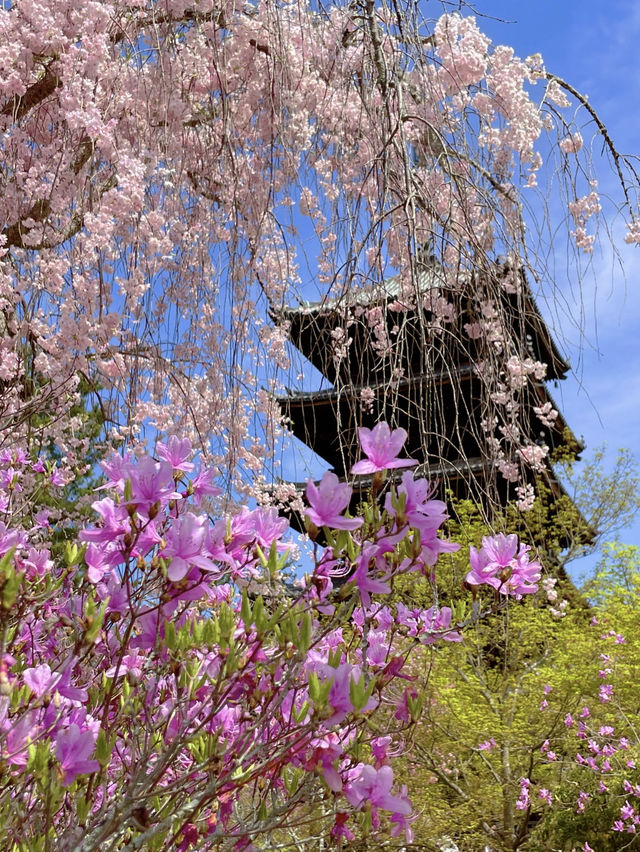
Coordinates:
[384,357]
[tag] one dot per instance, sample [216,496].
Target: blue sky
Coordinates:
[595,47]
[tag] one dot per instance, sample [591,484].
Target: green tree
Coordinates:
[488,721]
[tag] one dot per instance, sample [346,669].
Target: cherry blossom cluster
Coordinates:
[122,169]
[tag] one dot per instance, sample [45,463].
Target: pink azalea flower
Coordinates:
[73,748]
[39,562]
[57,478]
[42,518]
[268,527]
[502,566]
[437,623]
[545,794]
[202,484]
[367,584]
[418,502]
[379,748]
[41,679]
[129,663]
[340,692]
[340,828]
[38,679]
[152,482]
[381,445]
[176,452]
[117,469]
[115,522]
[327,501]
[374,786]
[18,737]
[185,543]
[100,561]
[264,526]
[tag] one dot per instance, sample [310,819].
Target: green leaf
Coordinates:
[259,618]
[82,809]
[71,553]
[170,637]
[245,609]
[12,584]
[94,625]
[104,748]
[301,714]
[357,692]
[306,626]
[415,706]
[314,686]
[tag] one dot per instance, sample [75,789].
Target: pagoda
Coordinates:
[412,362]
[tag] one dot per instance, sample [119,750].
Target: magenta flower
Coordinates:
[152,482]
[57,478]
[17,738]
[438,626]
[545,794]
[202,484]
[100,561]
[341,829]
[268,527]
[262,526]
[366,565]
[340,692]
[73,748]
[374,786]
[39,678]
[418,503]
[130,663]
[502,566]
[176,452]
[381,446]
[185,544]
[115,522]
[327,501]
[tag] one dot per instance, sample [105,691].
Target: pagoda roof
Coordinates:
[310,323]
[328,420]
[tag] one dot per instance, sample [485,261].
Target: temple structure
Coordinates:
[416,363]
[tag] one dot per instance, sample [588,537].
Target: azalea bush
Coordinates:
[165,683]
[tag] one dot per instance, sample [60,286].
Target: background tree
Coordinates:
[488,721]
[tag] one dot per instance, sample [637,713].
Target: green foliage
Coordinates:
[608,501]
[487,715]
[488,690]
[617,576]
